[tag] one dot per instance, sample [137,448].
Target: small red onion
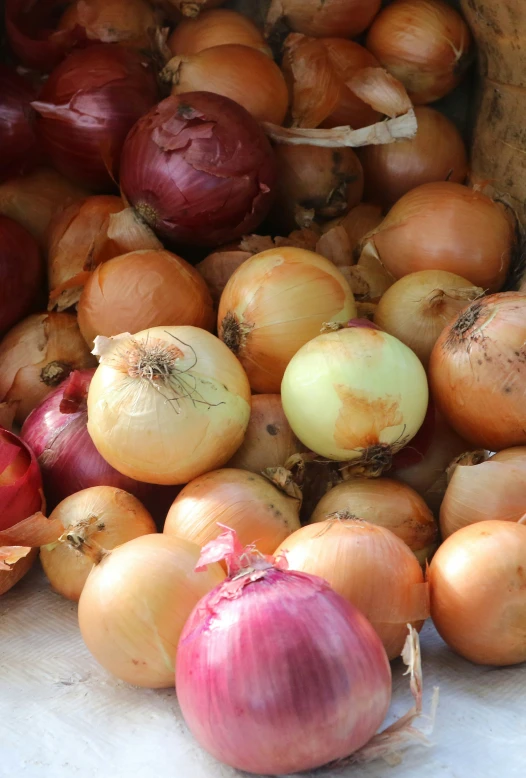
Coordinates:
[199,169]
[17,135]
[20,273]
[87,107]
[21,492]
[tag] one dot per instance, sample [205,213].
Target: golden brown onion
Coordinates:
[215,28]
[344,18]
[131,22]
[360,220]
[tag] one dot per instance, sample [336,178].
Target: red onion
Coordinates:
[275,672]
[199,169]
[20,481]
[87,107]
[17,136]
[20,273]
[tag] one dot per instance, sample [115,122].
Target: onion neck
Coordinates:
[55,372]
[90,548]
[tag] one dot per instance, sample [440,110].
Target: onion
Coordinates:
[303,678]
[217,268]
[370,567]
[387,504]
[193,8]
[478,596]
[315,184]
[215,28]
[242,73]
[436,153]
[131,22]
[444,226]
[87,107]
[168,404]
[356,395]
[18,141]
[140,290]
[36,355]
[419,306]
[20,273]
[20,481]
[477,372]
[360,220]
[341,18]
[426,44]
[155,572]
[273,304]
[248,503]
[269,440]
[15,562]
[102,516]
[219,156]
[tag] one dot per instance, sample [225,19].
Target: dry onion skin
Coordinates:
[140,290]
[342,18]
[36,355]
[477,372]
[245,502]
[167,404]
[478,596]
[370,567]
[218,27]
[15,563]
[157,572]
[360,220]
[217,268]
[130,22]
[101,516]
[276,302]
[385,503]
[436,153]
[192,8]
[426,44]
[446,226]
[420,305]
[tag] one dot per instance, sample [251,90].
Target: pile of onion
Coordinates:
[207,143]
[37,355]
[140,290]
[87,107]
[477,372]
[426,44]
[215,28]
[478,592]
[276,302]
[139,644]
[96,518]
[341,18]
[17,134]
[247,503]
[20,273]
[167,404]
[130,22]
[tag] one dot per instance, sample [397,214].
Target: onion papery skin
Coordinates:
[87,107]
[370,567]
[8,578]
[245,502]
[241,73]
[140,290]
[134,424]
[215,28]
[217,268]
[355,394]
[342,18]
[426,44]
[221,159]
[478,597]
[477,372]
[104,516]
[445,226]
[436,153]
[129,22]
[284,632]
[139,645]
[193,8]
[385,503]
[21,492]
[360,220]
[38,354]
[20,273]
[276,302]
[18,140]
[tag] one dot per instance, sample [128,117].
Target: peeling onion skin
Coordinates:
[128,22]
[21,492]
[477,372]
[8,578]
[342,18]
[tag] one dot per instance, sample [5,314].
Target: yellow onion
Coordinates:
[420,305]
[426,44]
[215,28]
[245,502]
[101,516]
[445,226]
[15,562]
[167,404]
[140,290]
[276,302]
[131,22]
[369,566]
[436,153]
[242,73]
[135,603]
[478,592]
[385,503]
[36,355]
[343,18]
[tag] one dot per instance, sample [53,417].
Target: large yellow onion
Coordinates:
[276,302]
[215,28]
[341,18]
[167,404]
